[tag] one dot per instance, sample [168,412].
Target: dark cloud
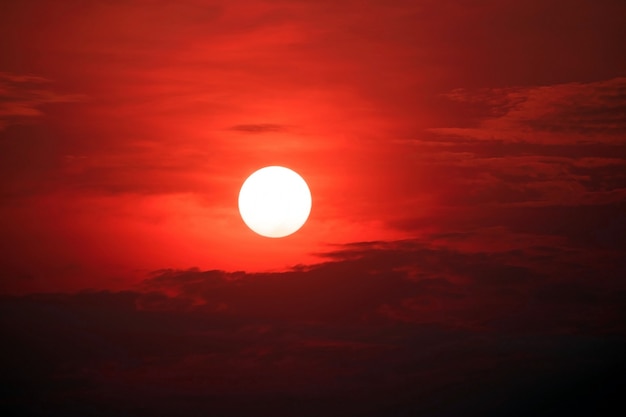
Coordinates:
[259,128]
[383,328]
[410,281]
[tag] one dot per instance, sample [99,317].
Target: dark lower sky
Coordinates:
[466,249]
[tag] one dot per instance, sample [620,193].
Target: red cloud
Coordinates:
[560,113]
[23,96]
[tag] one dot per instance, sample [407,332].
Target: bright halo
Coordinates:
[274,201]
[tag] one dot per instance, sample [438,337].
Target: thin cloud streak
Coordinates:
[22,98]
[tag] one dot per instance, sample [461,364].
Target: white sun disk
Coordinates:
[274,201]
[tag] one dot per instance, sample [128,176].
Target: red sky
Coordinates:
[467,162]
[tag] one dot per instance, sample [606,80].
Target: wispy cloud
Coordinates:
[259,128]
[560,113]
[22,97]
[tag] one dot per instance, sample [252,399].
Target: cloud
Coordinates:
[23,96]
[559,113]
[259,128]
[379,328]
[401,281]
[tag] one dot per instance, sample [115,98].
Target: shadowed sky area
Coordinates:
[465,252]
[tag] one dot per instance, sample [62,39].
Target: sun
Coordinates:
[274,202]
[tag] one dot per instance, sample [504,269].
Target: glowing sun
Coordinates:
[274,201]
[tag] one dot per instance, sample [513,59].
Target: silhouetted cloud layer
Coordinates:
[382,328]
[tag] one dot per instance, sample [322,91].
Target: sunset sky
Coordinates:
[466,249]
